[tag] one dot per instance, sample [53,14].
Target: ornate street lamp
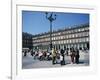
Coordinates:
[51,17]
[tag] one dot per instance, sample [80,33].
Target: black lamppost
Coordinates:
[51,17]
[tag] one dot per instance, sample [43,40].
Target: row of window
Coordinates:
[27,41]
[66,41]
[63,37]
[64,32]
[27,37]
[71,31]
[71,41]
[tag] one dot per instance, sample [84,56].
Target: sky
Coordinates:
[36,22]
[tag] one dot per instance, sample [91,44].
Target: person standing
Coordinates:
[25,53]
[77,56]
[63,57]
[48,54]
[61,60]
[72,55]
[40,55]
[53,56]
[67,51]
[36,55]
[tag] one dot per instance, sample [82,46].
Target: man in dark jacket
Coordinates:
[62,53]
[77,56]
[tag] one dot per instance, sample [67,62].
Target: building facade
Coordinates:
[76,37]
[27,40]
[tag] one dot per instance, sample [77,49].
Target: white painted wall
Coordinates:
[5,38]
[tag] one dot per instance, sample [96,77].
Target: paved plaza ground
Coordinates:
[28,62]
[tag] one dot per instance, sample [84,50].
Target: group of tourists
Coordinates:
[73,53]
[57,56]
[39,54]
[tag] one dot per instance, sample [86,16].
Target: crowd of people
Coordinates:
[57,56]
